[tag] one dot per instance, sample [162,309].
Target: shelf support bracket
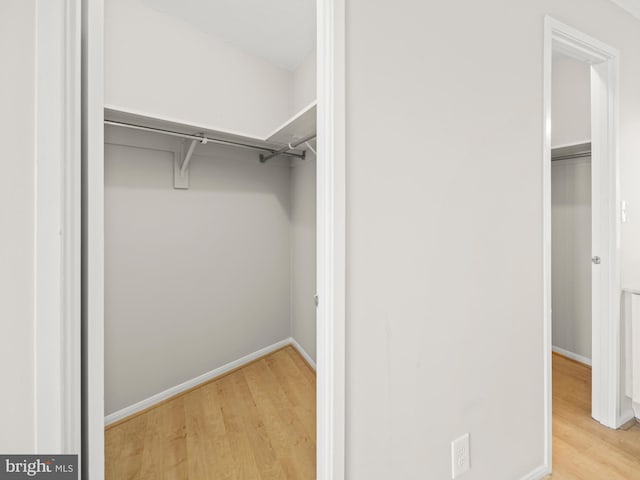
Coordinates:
[181,170]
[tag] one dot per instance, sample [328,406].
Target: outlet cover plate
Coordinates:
[460,456]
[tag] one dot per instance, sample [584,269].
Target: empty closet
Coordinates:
[210,238]
[571,235]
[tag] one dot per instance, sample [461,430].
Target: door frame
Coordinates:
[56,308]
[604,60]
[331,239]
[92,460]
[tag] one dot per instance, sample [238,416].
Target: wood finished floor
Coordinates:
[582,448]
[256,423]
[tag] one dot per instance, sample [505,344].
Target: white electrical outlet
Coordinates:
[460,462]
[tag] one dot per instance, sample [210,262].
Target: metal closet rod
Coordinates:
[200,138]
[284,150]
[568,152]
[570,156]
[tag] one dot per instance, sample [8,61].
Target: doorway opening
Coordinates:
[581,235]
[571,212]
[202,159]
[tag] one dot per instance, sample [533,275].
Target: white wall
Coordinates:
[630,171]
[444,192]
[571,255]
[194,278]
[303,253]
[17,204]
[162,66]
[303,220]
[303,89]
[570,101]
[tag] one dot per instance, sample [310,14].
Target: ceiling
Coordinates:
[631,6]
[282,32]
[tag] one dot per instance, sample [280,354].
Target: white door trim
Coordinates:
[331,240]
[604,112]
[93,239]
[57,227]
[331,214]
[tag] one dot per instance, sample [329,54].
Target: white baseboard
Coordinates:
[538,473]
[303,352]
[170,392]
[571,355]
[626,417]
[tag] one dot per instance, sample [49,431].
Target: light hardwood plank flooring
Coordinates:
[582,448]
[255,423]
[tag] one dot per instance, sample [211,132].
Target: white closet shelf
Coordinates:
[301,125]
[289,139]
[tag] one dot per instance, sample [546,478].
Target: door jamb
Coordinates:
[92,239]
[331,239]
[604,62]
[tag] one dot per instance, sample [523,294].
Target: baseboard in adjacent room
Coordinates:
[627,420]
[538,473]
[194,382]
[571,355]
[303,353]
